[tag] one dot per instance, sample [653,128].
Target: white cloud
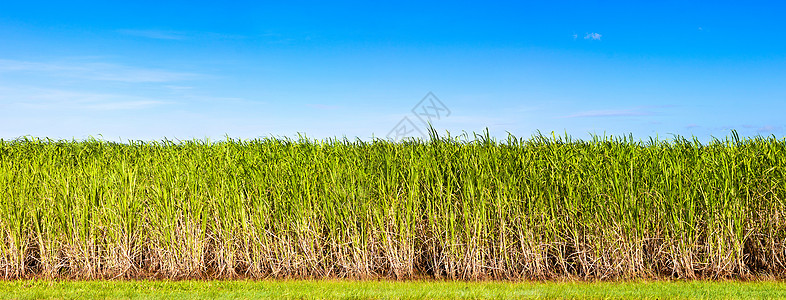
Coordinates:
[593,36]
[767,128]
[323,106]
[611,113]
[176,35]
[178,87]
[155,34]
[125,105]
[95,71]
[31,98]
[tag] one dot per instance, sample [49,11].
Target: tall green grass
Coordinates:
[449,207]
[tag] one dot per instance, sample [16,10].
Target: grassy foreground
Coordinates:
[544,207]
[389,290]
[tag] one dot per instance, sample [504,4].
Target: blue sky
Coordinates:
[154,69]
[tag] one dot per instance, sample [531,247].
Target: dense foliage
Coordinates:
[467,208]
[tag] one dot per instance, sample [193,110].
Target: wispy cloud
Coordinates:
[323,106]
[31,98]
[768,128]
[125,105]
[629,112]
[178,87]
[174,35]
[757,128]
[155,34]
[593,36]
[95,71]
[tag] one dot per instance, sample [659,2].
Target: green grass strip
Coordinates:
[331,289]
